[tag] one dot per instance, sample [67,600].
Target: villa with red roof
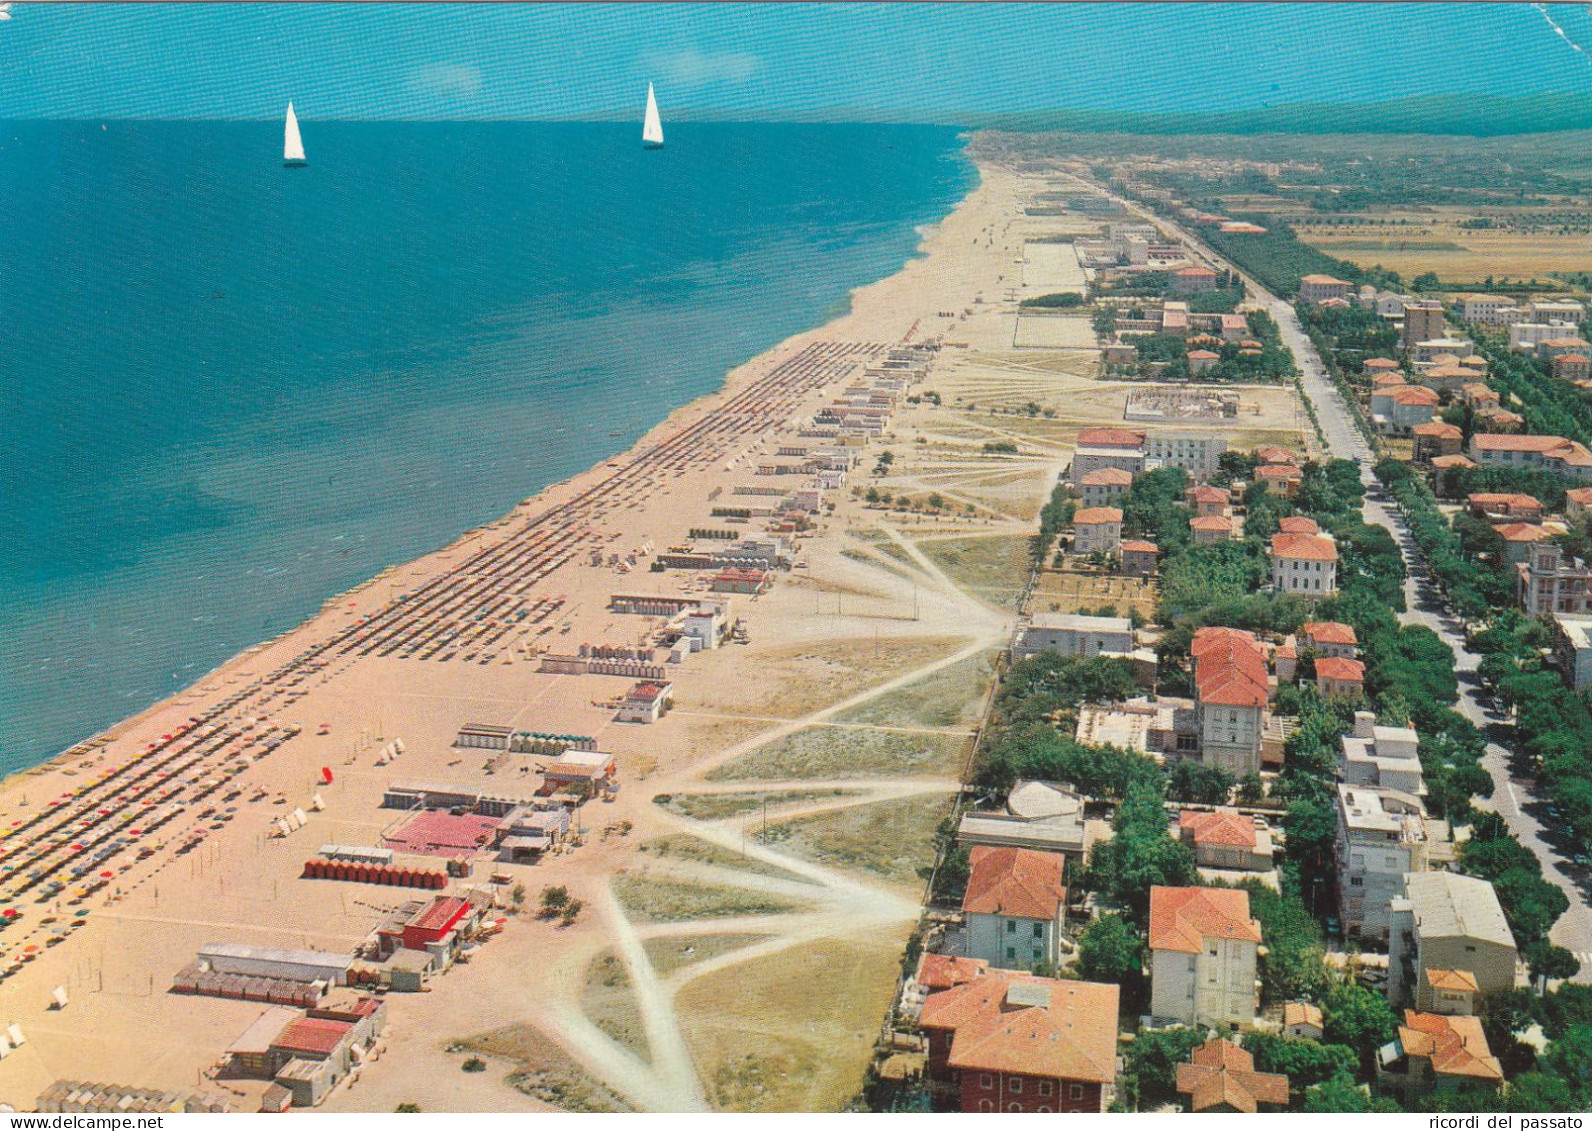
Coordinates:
[1550,453]
[1097,530]
[1280,478]
[1306,564]
[1012,1042]
[1207,500]
[1231,688]
[1209,529]
[1226,840]
[1298,524]
[1436,438]
[1104,485]
[1015,906]
[1337,678]
[1220,1077]
[1434,1052]
[1329,638]
[1204,946]
[1139,558]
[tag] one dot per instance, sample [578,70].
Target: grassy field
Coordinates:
[949,697]
[658,900]
[825,751]
[1088,593]
[696,851]
[718,806]
[994,567]
[608,1001]
[676,952]
[805,678]
[1432,240]
[893,840]
[545,1071]
[794,1031]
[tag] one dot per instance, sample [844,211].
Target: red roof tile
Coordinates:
[1340,669]
[1329,632]
[1221,826]
[1181,919]
[1050,1028]
[1016,882]
[1303,547]
[1229,668]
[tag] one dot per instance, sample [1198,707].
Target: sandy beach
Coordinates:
[747,892]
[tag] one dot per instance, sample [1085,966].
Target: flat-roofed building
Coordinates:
[1073,635]
[1423,321]
[1549,581]
[1382,756]
[1381,839]
[1197,453]
[1572,648]
[1446,922]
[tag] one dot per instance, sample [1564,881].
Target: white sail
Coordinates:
[652,127]
[292,144]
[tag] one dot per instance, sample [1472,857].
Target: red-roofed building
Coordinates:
[1551,453]
[1139,558]
[1271,453]
[1280,478]
[1192,280]
[1209,529]
[1572,366]
[1436,438]
[1298,524]
[943,971]
[1226,839]
[1578,503]
[1203,953]
[1435,1052]
[1329,638]
[1011,1042]
[646,702]
[1320,288]
[1207,500]
[1220,1077]
[1519,537]
[1337,678]
[1306,564]
[1110,438]
[1231,691]
[1015,906]
[1097,530]
[1104,485]
[1501,506]
[1200,361]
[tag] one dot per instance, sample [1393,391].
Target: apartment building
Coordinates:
[1450,945]
[1306,564]
[1231,692]
[1203,956]
[1381,838]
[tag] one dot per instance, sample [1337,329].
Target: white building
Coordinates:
[1197,453]
[1015,908]
[1074,635]
[1572,648]
[1526,336]
[1381,837]
[1450,946]
[1203,953]
[1382,756]
[1097,530]
[1306,564]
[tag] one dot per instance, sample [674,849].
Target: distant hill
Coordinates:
[1470,115]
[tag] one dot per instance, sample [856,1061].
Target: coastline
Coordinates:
[422,566]
[297,678]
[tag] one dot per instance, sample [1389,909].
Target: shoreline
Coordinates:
[412,567]
[453,638]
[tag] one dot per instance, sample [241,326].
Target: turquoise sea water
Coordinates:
[229,390]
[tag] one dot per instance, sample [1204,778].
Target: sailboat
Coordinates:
[652,126]
[292,144]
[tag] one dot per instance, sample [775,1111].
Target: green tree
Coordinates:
[1111,950]
[1360,1018]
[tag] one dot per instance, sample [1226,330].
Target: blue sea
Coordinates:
[230,390]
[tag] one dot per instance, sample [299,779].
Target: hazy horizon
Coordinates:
[940,63]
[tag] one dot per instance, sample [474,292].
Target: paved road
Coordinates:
[1514,793]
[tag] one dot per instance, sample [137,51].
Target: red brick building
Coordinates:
[1012,1042]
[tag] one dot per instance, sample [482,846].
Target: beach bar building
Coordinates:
[270,962]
